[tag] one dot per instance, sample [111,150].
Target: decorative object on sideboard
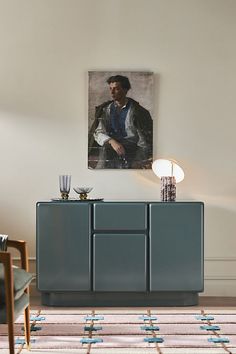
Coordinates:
[170,173]
[83,192]
[64,183]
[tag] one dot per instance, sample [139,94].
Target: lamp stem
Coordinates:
[172,166]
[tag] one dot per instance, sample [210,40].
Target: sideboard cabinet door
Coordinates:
[119,262]
[63,246]
[176,246]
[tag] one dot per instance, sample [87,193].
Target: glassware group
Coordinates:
[65,184]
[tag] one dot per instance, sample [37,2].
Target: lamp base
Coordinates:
[168,189]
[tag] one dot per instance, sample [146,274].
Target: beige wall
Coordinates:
[46,49]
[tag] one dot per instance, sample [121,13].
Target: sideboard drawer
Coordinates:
[120,216]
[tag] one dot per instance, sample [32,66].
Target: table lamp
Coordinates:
[170,173]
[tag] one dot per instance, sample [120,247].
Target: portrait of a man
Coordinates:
[120,127]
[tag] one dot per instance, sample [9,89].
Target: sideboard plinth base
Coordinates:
[105,299]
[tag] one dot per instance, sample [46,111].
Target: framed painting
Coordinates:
[120,127]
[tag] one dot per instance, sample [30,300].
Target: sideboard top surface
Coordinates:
[118,201]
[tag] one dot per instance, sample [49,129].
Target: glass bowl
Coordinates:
[83,192]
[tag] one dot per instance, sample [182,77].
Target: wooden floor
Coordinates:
[217,301]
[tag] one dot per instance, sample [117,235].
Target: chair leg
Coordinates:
[11,336]
[27,327]
[9,299]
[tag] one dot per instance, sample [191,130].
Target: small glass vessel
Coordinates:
[64,183]
[83,192]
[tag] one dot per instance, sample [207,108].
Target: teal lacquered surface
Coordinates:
[176,246]
[119,262]
[120,216]
[63,246]
[120,253]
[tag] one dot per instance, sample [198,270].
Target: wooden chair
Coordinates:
[14,291]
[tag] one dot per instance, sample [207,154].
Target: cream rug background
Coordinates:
[60,330]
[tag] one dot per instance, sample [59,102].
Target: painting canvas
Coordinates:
[120,127]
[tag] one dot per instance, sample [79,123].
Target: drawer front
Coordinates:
[120,216]
[119,262]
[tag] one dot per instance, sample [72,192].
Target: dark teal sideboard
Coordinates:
[120,253]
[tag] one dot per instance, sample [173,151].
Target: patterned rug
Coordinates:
[127,331]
